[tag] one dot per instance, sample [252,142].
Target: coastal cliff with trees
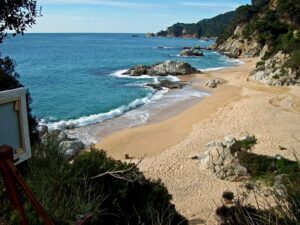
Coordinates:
[268,29]
[205,28]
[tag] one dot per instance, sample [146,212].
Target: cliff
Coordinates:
[205,28]
[268,29]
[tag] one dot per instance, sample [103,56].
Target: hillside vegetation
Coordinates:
[205,28]
[269,29]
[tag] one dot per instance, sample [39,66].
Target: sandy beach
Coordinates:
[237,107]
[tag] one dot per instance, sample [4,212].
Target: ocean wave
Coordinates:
[234,61]
[212,69]
[172,78]
[98,118]
[119,73]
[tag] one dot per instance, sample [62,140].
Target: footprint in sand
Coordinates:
[287,103]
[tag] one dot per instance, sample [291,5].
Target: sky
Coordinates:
[125,16]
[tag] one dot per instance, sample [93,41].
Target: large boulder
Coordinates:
[138,70]
[191,52]
[72,144]
[162,69]
[166,84]
[212,83]
[221,159]
[71,147]
[173,68]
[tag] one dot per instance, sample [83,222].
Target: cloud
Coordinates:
[100,2]
[209,5]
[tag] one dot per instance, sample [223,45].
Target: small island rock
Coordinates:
[162,69]
[191,52]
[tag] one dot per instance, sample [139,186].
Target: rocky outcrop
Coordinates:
[212,83]
[274,72]
[150,34]
[70,146]
[166,84]
[191,52]
[222,158]
[237,46]
[162,69]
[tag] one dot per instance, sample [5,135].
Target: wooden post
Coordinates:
[11,177]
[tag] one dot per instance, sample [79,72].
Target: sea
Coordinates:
[76,80]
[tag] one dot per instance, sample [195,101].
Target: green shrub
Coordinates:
[9,80]
[267,167]
[115,192]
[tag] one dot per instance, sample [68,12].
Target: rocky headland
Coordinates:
[275,40]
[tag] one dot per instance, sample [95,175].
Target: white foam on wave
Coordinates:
[97,118]
[212,69]
[119,73]
[172,78]
[163,47]
[234,61]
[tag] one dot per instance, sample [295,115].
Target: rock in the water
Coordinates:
[191,52]
[150,34]
[173,68]
[167,84]
[138,70]
[212,83]
[162,69]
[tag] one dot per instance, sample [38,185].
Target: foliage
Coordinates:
[115,192]
[204,28]
[9,80]
[16,16]
[266,167]
[275,206]
[273,23]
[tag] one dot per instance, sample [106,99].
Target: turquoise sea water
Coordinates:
[75,79]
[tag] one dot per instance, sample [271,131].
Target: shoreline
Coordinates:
[237,107]
[151,138]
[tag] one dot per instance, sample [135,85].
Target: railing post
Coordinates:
[6,155]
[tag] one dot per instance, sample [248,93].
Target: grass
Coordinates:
[116,193]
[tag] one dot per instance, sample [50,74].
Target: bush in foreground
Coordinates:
[277,205]
[113,191]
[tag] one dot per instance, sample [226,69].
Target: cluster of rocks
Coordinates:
[162,69]
[273,72]
[212,83]
[167,84]
[222,158]
[69,146]
[191,52]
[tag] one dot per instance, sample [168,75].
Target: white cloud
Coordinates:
[209,5]
[100,2]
